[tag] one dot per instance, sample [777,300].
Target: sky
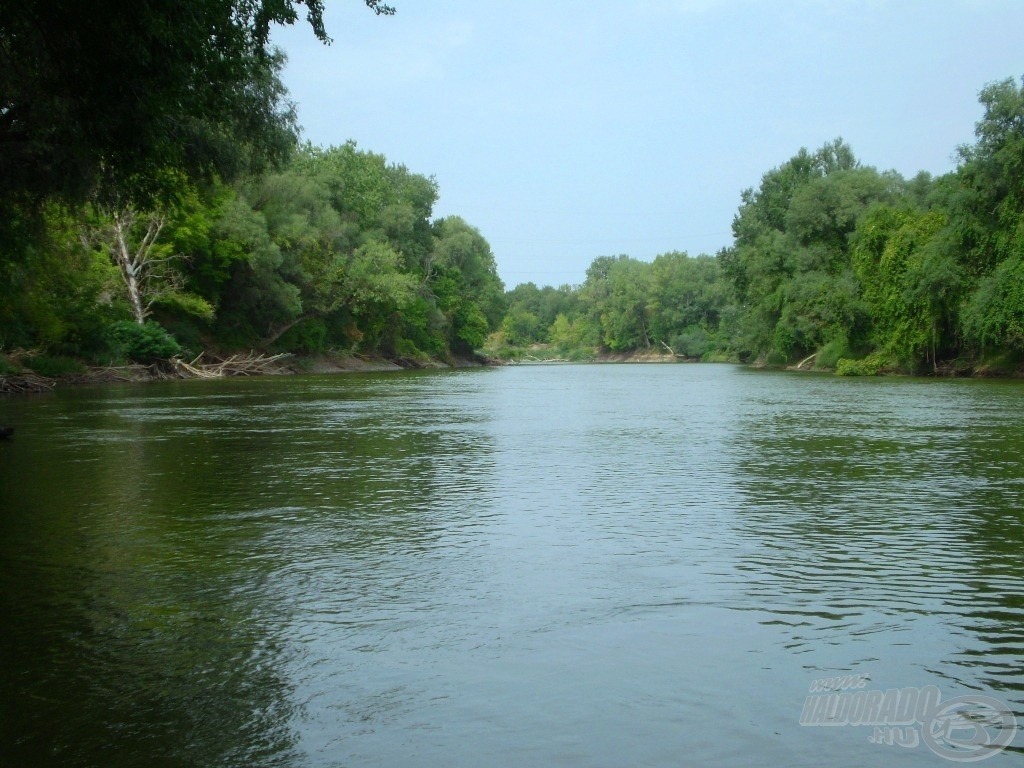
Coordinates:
[565,130]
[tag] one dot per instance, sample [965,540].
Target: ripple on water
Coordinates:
[571,565]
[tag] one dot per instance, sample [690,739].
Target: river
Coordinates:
[592,565]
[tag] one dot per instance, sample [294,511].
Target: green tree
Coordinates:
[993,317]
[910,283]
[986,207]
[790,265]
[93,94]
[464,284]
[57,294]
[615,293]
[685,300]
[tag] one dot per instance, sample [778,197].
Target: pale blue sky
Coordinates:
[569,130]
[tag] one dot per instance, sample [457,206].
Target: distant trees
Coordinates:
[624,304]
[831,261]
[335,248]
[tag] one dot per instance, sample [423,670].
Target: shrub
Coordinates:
[871,365]
[142,343]
[830,354]
[53,366]
[692,342]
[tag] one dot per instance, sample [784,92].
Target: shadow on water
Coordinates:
[157,547]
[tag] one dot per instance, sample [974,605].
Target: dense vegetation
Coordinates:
[832,260]
[156,201]
[155,196]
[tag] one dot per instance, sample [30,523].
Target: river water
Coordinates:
[612,565]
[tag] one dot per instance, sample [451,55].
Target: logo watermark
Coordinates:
[964,729]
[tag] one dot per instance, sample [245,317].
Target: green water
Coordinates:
[533,566]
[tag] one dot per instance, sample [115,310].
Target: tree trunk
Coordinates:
[136,266]
[126,262]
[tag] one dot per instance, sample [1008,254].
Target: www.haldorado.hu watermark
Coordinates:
[965,728]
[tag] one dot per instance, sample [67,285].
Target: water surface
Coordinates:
[552,566]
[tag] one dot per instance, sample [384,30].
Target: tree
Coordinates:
[330,263]
[685,298]
[616,295]
[790,264]
[910,283]
[464,283]
[151,271]
[96,92]
[993,317]
[53,296]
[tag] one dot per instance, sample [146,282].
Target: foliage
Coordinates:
[147,343]
[336,248]
[53,366]
[993,317]
[828,356]
[872,365]
[95,96]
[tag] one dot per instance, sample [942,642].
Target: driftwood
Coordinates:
[236,365]
[121,373]
[26,382]
[533,360]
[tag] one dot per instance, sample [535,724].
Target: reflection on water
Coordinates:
[571,565]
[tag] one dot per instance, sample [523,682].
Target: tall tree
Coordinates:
[102,92]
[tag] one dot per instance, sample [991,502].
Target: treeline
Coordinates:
[334,250]
[155,200]
[831,260]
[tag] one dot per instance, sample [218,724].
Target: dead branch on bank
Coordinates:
[672,351]
[113,374]
[800,365]
[18,383]
[236,365]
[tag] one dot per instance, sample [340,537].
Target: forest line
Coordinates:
[194,219]
[833,263]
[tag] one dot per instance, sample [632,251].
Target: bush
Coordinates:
[53,366]
[142,343]
[830,354]
[692,342]
[871,365]
[309,337]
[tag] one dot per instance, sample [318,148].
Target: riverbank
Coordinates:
[25,372]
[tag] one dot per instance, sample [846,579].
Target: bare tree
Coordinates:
[147,269]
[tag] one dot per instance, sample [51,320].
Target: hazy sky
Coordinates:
[565,130]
